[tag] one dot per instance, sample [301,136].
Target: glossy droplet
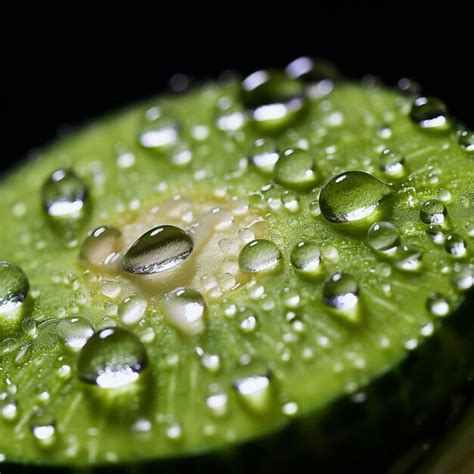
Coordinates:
[311,70]
[259,256]
[296,169]
[456,246]
[351,196]
[433,212]
[64,196]
[255,392]
[466,140]
[185,310]
[158,133]
[112,358]
[436,234]
[264,158]
[392,164]
[161,248]
[74,332]
[437,304]
[431,114]
[462,276]
[341,292]
[383,237]
[306,258]
[44,431]
[100,245]
[132,310]
[218,404]
[273,100]
[408,258]
[14,287]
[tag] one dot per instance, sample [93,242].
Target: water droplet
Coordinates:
[100,245]
[255,392]
[64,196]
[306,258]
[466,140]
[341,292]
[185,310]
[392,164]
[158,133]
[408,258]
[431,114]
[273,100]
[132,310]
[433,212]
[74,332]
[290,409]
[438,304]
[211,362]
[218,404]
[462,276]
[436,234]
[9,411]
[351,196]
[14,288]
[383,237]
[44,431]
[264,158]
[456,246]
[161,248]
[259,256]
[111,358]
[409,86]
[296,169]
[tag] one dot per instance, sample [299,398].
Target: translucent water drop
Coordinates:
[306,258]
[296,169]
[185,310]
[351,196]
[158,133]
[456,246]
[100,245]
[408,258]
[255,392]
[341,292]
[431,114]
[259,256]
[438,304]
[436,234]
[161,248]
[383,237]
[132,310]
[466,140]
[392,164]
[9,411]
[14,288]
[433,212]
[74,332]
[462,276]
[264,158]
[64,196]
[112,358]
[44,431]
[409,86]
[273,100]
[218,404]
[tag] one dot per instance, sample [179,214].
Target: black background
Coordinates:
[62,68]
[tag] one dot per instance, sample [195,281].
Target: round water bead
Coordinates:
[161,248]
[311,70]
[408,258]
[264,157]
[383,237]
[341,292]
[255,392]
[430,113]
[466,140]
[392,164]
[433,212]
[259,256]
[100,244]
[456,246]
[74,332]
[14,287]
[462,276]
[132,310]
[437,304]
[158,133]
[296,169]
[351,196]
[112,358]
[306,258]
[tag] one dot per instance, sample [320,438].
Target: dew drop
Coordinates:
[44,431]
[296,169]
[74,332]
[433,212]
[218,404]
[161,248]
[185,310]
[436,234]
[341,292]
[437,304]
[306,258]
[462,276]
[351,196]
[100,245]
[255,392]
[455,245]
[158,133]
[112,358]
[466,140]
[408,258]
[14,289]
[392,164]
[259,256]
[264,158]
[132,310]
[431,114]
[383,237]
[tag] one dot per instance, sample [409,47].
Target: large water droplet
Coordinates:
[161,248]
[383,237]
[341,292]
[431,114]
[185,310]
[438,304]
[14,288]
[273,100]
[259,256]
[306,258]
[64,196]
[433,212]
[132,310]
[296,169]
[100,245]
[351,196]
[456,246]
[466,140]
[112,358]
[74,332]
[255,392]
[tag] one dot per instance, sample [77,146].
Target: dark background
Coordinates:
[66,67]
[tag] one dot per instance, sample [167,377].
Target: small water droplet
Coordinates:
[185,310]
[431,114]
[383,237]
[290,409]
[436,234]
[161,248]
[438,304]
[255,392]
[264,157]
[392,164]
[44,431]
[9,411]
[158,133]
[74,332]
[351,196]
[341,292]
[466,140]
[218,404]
[14,288]
[259,256]
[296,169]
[433,212]
[462,276]
[408,258]
[456,246]
[112,358]
[132,310]
[101,245]
[306,258]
